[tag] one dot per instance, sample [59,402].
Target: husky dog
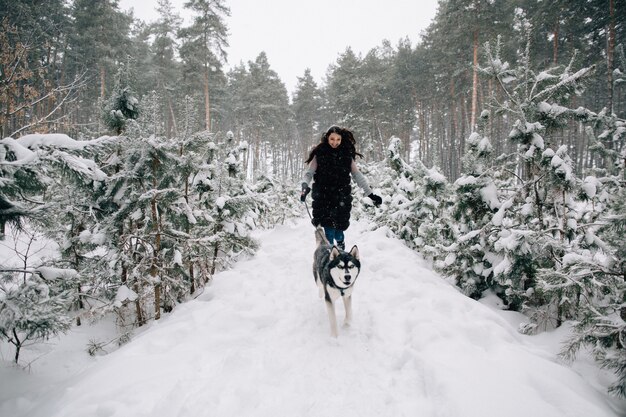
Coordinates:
[335,272]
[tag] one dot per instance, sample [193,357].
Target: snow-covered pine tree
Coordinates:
[20,180]
[34,307]
[122,105]
[609,144]
[277,199]
[37,297]
[600,274]
[597,268]
[185,214]
[72,215]
[436,226]
[476,200]
[151,122]
[402,182]
[417,209]
[531,228]
[139,197]
[228,202]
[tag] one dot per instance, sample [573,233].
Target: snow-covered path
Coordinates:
[256,343]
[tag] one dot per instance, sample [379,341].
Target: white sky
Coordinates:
[297,35]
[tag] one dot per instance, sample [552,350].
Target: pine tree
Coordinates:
[264,116]
[122,105]
[20,179]
[417,210]
[600,277]
[138,199]
[38,297]
[307,109]
[166,68]
[229,204]
[34,308]
[538,215]
[592,276]
[97,42]
[204,43]
[477,199]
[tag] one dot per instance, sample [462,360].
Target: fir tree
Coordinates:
[536,224]
[417,210]
[592,276]
[20,180]
[600,279]
[204,44]
[229,204]
[122,106]
[477,199]
[32,310]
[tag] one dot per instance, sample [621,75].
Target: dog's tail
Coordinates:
[320,236]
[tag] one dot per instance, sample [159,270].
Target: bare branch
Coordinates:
[79,82]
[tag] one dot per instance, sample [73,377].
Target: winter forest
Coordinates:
[498,144]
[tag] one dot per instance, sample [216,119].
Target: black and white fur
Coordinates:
[335,272]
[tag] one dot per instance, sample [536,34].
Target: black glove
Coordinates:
[376,199]
[305,190]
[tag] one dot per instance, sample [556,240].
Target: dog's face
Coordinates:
[344,267]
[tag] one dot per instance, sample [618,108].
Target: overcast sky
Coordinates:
[297,34]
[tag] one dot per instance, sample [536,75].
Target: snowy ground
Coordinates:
[256,343]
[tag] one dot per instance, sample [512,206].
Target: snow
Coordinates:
[23,155]
[474,139]
[573,258]
[537,141]
[256,343]
[59,140]
[178,258]
[552,110]
[496,220]
[572,224]
[502,267]
[466,180]
[123,294]
[434,176]
[51,274]
[25,151]
[489,194]
[544,75]
[406,184]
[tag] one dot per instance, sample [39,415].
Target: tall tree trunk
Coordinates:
[555,43]
[172,115]
[474,83]
[609,54]
[102,82]
[157,243]
[216,251]
[207,107]
[453,129]
[138,310]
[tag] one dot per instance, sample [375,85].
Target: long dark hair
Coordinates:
[348,143]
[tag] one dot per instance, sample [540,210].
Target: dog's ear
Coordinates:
[354,252]
[334,252]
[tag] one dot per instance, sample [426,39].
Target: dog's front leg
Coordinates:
[318,282]
[331,315]
[347,302]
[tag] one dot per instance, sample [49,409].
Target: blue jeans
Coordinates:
[333,235]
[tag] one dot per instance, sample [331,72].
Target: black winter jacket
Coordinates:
[332,193]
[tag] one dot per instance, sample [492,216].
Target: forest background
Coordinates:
[498,141]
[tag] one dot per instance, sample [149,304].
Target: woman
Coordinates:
[331,166]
